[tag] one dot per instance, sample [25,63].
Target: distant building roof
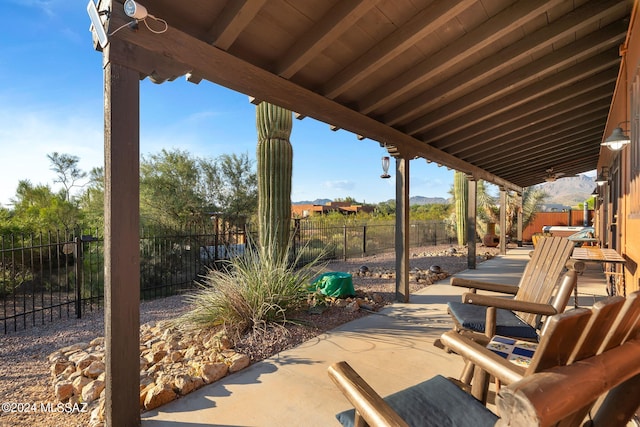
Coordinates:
[342,207]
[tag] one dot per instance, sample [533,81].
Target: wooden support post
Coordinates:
[604,220]
[402,230]
[519,220]
[122,245]
[472,207]
[503,221]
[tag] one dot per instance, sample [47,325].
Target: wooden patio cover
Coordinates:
[505,91]
[502,90]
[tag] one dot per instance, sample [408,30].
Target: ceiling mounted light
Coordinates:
[617,140]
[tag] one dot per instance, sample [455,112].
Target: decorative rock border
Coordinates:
[172,363]
[426,277]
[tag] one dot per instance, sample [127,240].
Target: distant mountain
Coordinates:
[312,202]
[564,192]
[568,191]
[415,200]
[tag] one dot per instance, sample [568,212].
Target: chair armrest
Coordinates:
[576,265]
[508,304]
[482,357]
[547,397]
[369,405]
[484,286]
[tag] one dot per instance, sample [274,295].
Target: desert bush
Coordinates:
[12,276]
[251,291]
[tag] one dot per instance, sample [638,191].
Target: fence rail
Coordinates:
[57,275]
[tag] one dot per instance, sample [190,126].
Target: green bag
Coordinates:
[334,284]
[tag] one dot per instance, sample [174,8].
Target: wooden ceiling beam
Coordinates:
[417,28]
[486,155]
[583,130]
[551,155]
[528,46]
[222,68]
[235,17]
[538,126]
[538,165]
[332,25]
[149,64]
[517,88]
[454,136]
[533,137]
[539,170]
[508,20]
[512,94]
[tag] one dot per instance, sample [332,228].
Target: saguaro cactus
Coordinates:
[461,194]
[275,159]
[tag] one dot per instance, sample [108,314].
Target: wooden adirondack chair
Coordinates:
[547,393]
[545,399]
[558,304]
[568,337]
[520,316]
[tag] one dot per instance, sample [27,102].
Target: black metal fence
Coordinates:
[49,276]
[350,241]
[57,275]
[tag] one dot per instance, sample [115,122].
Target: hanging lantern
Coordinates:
[385,167]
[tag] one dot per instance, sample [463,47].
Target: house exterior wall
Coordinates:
[618,216]
[631,161]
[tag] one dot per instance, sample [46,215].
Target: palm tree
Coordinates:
[488,208]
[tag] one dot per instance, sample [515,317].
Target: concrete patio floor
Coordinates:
[392,350]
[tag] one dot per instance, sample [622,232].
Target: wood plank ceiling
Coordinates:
[504,90]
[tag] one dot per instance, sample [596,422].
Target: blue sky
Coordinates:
[51,99]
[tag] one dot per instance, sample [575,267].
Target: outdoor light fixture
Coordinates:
[603,177]
[385,167]
[617,140]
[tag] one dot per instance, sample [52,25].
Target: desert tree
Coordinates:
[68,173]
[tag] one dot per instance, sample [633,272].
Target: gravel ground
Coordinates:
[24,370]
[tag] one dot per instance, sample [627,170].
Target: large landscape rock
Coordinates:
[158,396]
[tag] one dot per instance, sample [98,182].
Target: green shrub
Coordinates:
[251,291]
[12,276]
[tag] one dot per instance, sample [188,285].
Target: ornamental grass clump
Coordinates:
[253,290]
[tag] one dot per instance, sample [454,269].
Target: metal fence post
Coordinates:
[79,256]
[364,240]
[296,237]
[344,243]
[435,235]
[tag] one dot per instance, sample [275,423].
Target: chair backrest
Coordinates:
[626,324]
[571,338]
[557,344]
[559,396]
[542,273]
[584,333]
[615,320]
[581,333]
